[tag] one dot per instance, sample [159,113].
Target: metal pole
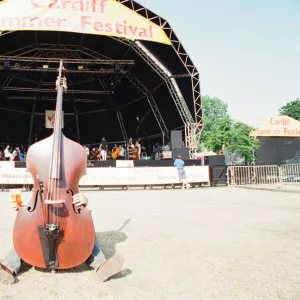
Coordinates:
[122,126]
[77,124]
[31,123]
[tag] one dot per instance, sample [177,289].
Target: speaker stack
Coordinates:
[218,169]
[177,145]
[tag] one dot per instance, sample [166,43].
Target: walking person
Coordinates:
[179,164]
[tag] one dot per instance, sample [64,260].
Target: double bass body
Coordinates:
[50,232]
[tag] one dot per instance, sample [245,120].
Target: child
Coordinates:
[179,163]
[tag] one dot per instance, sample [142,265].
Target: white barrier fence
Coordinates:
[253,175]
[286,177]
[117,176]
[290,174]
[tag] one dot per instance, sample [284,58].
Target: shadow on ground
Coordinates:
[108,241]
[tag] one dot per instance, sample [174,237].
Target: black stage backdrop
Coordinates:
[278,151]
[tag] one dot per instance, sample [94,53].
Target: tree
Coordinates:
[216,137]
[238,139]
[220,130]
[214,110]
[291,109]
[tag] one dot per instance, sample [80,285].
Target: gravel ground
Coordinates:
[203,243]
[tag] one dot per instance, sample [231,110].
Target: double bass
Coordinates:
[136,151]
[50,232]
[115,153]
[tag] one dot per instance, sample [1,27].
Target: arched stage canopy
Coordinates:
[130,66]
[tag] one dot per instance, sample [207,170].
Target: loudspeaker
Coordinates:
[176,139]
[185,152]
[20,164]
[193,162]
[214,160]
[218,175]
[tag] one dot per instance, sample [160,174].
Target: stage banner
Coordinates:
[118,176]
[7,164]
[279,126]
[50,119]
[99,17]
[15,176]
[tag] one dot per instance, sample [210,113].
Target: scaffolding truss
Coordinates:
[153,106]
[191,137]
[33,59]
[197,121]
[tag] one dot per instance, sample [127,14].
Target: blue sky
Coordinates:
[247,52]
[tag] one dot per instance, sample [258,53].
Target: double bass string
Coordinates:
[58,138]
[55,159]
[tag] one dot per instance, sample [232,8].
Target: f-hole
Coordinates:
[35,202]
[69,191]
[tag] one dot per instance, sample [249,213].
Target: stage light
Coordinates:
[6,65]
[45,66]
[137,118]
[80,67]
[117,68]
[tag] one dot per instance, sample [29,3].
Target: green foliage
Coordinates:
[215,138]
[214,110]
[238,139]
[219,129]
[291,109]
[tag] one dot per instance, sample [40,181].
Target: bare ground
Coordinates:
[203,243]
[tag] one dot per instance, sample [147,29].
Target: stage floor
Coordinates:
[206,243]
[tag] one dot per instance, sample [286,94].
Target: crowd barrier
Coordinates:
[285,177]
[108,176]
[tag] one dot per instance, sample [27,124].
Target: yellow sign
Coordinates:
[280,126]
[100,17]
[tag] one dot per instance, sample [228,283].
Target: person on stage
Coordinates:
[11,264]
[179,164]
[130,149]
[21,155]
[103,147]
[15,154]
[7,154]
[139,149]
[122,153]
[87,151]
